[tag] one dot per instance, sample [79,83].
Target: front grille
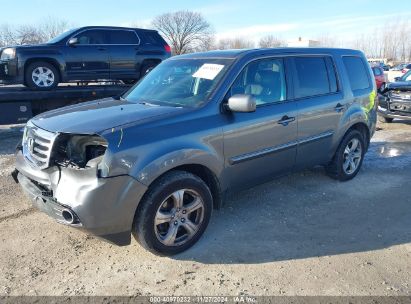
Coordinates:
[38,145]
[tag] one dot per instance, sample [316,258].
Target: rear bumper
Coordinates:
[104,207]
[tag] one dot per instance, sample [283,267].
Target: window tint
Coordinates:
[312,76]
[92,37]
[263,79]
[122,37]
[357,72]
[153,38]
[332,78]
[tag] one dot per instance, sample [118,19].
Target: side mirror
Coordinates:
[73,41]
[241,103]
[397,79]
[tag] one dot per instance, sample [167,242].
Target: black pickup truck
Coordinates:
[89,53]
[395,99]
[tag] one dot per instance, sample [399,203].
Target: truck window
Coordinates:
[312,77]
[122,37]
[263,79]
[357,73]
[92,37]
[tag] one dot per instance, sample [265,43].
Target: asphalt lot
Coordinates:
[303,234]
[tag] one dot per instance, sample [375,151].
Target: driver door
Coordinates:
[262,144]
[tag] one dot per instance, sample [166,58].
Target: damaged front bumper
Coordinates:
[104,207]
[393,106]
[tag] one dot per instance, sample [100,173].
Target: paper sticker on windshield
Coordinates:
[208,71]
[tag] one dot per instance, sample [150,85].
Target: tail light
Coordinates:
[403,71]
[167,48]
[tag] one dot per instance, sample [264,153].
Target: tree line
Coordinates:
[188,32]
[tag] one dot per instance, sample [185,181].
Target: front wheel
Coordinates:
[173,214]
[41,76]
[348,158]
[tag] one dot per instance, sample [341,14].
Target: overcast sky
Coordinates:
[232,18]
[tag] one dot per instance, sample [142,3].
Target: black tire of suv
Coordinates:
[29,81]
[143,224]
[146,68]
[385,119]
[335,168]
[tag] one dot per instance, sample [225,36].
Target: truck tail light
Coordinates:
[167,48]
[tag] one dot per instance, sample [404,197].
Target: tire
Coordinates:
[385,119]
[337,168]
[129,81]
[146,68]
[155,227]
[50,75]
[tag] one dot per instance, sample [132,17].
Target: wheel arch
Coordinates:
[49,60]
[363,128]
[203,172]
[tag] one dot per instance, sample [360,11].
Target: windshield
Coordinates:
[180,82]
[62,36]
[406,76]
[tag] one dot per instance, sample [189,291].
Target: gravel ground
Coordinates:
[303,234]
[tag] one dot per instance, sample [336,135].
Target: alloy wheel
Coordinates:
[352,156]
[179,217]
[43,77]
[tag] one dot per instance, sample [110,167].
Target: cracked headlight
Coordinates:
[80,151]
[8,53]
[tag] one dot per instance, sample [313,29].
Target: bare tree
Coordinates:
[184,30]
[29,34]
[7,35]
[53,27]
[327,40]
[235,43]
[270,41]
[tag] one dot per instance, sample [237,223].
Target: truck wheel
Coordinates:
[385,119]
[173,213]
[348,158]
[41,76]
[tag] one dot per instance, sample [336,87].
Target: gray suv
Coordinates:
[156,161]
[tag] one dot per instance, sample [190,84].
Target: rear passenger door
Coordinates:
[123,47]
[320,107]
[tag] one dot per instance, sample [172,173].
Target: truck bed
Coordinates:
[18,103]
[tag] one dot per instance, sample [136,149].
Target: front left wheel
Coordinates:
[173,214]
[41,76]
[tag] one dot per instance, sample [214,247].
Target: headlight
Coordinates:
[79,150]
[8,53]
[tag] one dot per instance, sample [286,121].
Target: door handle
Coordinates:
[285,120]
[101,48]
[339,107]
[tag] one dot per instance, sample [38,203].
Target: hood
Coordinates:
[96,116]
[400,85]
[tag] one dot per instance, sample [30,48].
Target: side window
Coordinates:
[123,37]
[92,37]
[264,80]
[153,38]
[314,76]
[357,73]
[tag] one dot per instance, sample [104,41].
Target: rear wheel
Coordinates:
[348,158]
[41,76]
[173,214]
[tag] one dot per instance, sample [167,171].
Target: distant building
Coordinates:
[300,42]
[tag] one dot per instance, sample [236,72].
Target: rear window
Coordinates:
[123,37]
[153,38]
[314,76]
[357,73]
